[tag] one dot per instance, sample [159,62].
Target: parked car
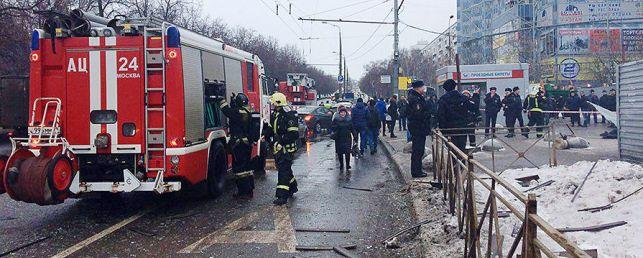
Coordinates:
[315,117]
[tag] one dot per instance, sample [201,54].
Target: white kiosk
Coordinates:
[486,76]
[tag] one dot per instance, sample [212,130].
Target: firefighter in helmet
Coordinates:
[241,143]
[534,105]
[284,132]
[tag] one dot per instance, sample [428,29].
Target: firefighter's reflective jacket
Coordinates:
[534,103]
[284,131]
[240,120]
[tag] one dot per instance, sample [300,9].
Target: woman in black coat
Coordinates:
[343,131]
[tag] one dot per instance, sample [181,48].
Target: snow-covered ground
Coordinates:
[609,181]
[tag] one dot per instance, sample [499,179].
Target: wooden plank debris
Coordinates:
[358,188]
[322,230]
[583,183]
[321,247]
[540,186]
[595,228]
[343,251]
[528,178]
[591,252]
[501,214]
[609,206]
[407,229]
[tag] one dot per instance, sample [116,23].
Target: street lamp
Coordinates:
[340,73]
[449,35]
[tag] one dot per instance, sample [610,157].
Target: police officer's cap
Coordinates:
[417,84]
[449,85]
[493,88]
[516,88]
[508,89]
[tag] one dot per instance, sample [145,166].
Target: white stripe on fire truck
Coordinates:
[110,41]
[111,84]
[94,91]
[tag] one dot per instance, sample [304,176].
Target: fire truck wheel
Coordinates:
[217,167]
[59,176]
[260,170]
[3,163]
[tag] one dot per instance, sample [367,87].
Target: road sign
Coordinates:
[385,79]
[569,68]
[340,78]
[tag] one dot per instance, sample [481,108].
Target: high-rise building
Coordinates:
[566,41]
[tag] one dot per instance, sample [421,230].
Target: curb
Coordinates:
[415,201]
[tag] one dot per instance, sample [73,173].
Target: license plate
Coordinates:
[45,130]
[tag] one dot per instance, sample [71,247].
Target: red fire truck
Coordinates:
[299,89]
[127,105]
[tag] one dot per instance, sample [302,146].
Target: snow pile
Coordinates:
[609,181]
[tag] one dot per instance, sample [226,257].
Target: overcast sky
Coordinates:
[358,48]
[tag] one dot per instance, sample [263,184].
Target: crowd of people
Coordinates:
[458,114]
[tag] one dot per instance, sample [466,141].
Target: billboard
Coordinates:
[573,41]
[573,11]
[601,42]
[632,40]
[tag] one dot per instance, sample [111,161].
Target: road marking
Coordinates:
[283,235]
[101,234]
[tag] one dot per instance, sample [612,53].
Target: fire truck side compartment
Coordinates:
[193,90]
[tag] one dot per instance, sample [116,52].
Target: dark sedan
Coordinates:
[315,117]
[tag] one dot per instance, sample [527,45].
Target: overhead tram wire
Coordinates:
[372,34]
[421,29]
[341,7]
[366,9]
[376,45]
[282,20]
[291,16]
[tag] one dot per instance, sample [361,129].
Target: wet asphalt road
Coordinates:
[188,224]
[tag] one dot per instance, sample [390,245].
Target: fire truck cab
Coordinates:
[131,106]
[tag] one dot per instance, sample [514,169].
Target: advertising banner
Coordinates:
[572,11]
[632,40]
[601,42]
[573,41]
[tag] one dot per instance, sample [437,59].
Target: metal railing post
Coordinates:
[553,151]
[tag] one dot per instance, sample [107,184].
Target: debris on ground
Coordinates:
[492,145]
[329,230]
[427,162]
[392,243]
[571,143]
[594,228]
[321,247]
[611,181]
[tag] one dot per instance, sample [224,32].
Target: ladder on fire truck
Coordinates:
[155,136]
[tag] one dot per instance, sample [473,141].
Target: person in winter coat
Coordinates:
[603,103]
[453,112]
[506,102]
[611,101]
[534,104]
[381,107]
[573,104]
[374,125]
[585,107]
[343,132]
[419,114]
[594,99]
[472,118]
[360,116]
[492,107]
[515,113]
[402,111]
[392,111]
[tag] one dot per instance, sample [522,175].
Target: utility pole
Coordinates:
[396,51]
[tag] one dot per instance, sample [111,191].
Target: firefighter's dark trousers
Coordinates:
[286,183]
[536,118]
[417,152]
[242,166]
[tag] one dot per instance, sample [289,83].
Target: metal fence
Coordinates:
[456,170]
[630,111]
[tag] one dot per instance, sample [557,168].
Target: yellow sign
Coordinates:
[403,83]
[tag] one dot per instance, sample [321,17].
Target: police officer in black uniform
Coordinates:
[241,143]
[284,132]
[418,113]
[454,111]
